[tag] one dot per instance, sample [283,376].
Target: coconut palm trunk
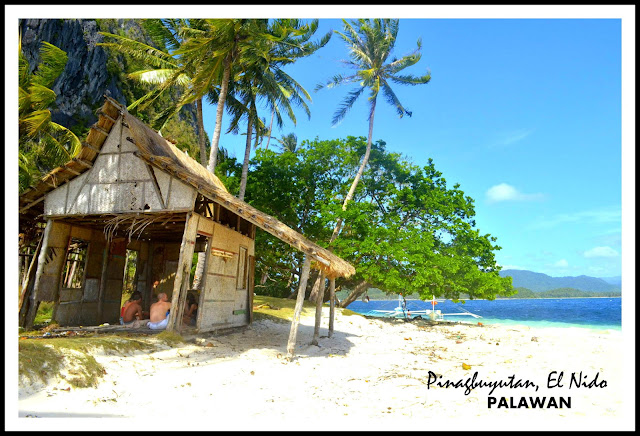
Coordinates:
[245,162]
[201,138]
[197,276]
[356,180]
[224,87]
[336,230]
[273,113]
[370,44]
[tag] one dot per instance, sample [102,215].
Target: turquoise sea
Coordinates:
[594,313]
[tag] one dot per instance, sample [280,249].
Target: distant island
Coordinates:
[378,294]
[538,282]
[561,293]
[529,284]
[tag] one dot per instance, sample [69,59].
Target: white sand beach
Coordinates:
[372,375]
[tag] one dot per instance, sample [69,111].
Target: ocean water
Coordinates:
[594,313]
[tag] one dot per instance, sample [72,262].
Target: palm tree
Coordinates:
[42,144]
[227,50]
[370,43]
[288,142]
[282,42]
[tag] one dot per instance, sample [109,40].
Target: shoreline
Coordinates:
[373,374]
[484,299]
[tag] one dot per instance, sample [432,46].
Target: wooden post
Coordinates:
[304,277]
[181,283]
[332,304]
[319,301]
[250,287]
[103,281]
[27,285]
[42,258]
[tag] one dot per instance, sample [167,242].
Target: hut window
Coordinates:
[242,269]
[228,218]
[73,273]
[245,227]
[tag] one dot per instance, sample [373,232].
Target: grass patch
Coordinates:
[170,338]
[36,360]
[347,312]
[43,359]
[281,309]
[86,372]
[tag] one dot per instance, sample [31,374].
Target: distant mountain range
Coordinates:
[613,280]
[539,282]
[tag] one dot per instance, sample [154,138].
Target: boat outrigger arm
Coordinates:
[402,312]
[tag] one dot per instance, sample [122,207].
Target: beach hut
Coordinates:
[131,194]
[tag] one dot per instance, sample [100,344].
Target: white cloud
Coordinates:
[601,252]
[509,138]
[600,216]
[505,192]
[562,263]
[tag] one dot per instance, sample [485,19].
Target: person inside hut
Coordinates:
[159,313]
[190,310]
[131,314]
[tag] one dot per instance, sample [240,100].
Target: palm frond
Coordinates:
[52,63]
[139,50]
[393,100]
[346,105]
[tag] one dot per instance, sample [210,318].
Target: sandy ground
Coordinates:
[372,374]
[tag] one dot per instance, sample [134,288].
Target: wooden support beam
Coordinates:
[34,297]
[319,300]
[293,333]
[83,162]
[27,285]
[91,147]
[72,171]
[332,304]
[107,116]
[103,282]
[181,281]
[99,129]
[33,203]
[250,290]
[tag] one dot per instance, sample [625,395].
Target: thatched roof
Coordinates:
[162,154]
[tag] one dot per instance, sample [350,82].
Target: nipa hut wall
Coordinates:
[225,298]
[119,182]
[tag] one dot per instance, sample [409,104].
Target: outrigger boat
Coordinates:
[401,311]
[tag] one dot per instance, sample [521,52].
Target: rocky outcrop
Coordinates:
[85,80]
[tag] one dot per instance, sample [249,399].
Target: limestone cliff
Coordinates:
[93,71]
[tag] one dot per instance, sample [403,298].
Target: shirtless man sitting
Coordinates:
[159,313]
[132,311]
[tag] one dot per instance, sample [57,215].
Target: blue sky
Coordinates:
[525,114]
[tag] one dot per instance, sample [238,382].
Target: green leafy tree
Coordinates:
[406,231]
[43,144]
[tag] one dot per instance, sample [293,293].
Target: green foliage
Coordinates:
[405,232]
[42,144]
